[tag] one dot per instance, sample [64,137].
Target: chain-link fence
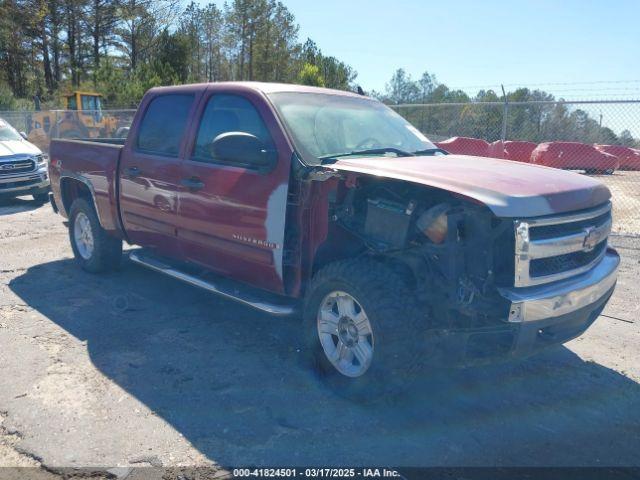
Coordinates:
[41,126]
[599,138]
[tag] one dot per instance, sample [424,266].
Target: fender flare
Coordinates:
[79,178]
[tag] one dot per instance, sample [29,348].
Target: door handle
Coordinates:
[193,183]
[133,171]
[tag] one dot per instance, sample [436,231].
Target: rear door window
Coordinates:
[164,124]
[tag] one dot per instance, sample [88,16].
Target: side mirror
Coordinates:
[243,149]
[23,135]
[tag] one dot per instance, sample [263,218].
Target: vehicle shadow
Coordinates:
[9,206]
[229,380]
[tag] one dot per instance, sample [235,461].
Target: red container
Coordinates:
[574,156]
[629,158]
[496,149]
[465,146]
[519,151]
[635,163]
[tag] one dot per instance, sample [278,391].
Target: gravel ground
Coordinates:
[625,189]
[135,369]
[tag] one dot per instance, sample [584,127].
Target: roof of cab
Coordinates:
[264,87]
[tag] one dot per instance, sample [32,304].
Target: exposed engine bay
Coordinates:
[455,251]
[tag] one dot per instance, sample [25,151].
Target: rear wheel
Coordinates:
[94,249]
[363,329]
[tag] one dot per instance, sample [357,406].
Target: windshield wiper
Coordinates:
[430,151]
[370,151]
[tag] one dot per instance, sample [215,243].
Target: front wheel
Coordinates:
[362,329]
[94,249]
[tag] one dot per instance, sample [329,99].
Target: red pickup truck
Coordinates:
[298,199]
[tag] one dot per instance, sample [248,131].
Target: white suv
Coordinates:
[23,167]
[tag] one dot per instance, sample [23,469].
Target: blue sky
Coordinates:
[470,43]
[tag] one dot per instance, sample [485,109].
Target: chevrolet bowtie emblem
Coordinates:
[590,239]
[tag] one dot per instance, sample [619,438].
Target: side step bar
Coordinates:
[221,287]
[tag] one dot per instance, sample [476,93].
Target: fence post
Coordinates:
[505,115]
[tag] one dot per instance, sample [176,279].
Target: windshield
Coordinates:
[325,125]
[7,132]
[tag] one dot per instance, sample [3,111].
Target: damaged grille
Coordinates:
[553,248]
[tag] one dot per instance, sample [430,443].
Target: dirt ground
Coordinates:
[625,189]
[135,369]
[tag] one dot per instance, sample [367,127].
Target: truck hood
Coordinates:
[17,147]
[509,189]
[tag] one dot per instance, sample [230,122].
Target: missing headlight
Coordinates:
[433,223]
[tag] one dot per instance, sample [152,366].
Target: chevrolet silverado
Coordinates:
[300,199]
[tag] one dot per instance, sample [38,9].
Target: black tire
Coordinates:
[396,321]
[122,132]
[107,250]
[41,197]
[72,134]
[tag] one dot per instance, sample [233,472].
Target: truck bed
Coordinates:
[93,162]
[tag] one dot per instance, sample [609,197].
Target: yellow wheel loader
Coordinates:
[81,118]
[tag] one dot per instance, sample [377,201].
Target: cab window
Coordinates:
[164,124]
[228,113]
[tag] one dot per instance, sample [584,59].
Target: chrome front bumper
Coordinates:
[563,297]
[25,182]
